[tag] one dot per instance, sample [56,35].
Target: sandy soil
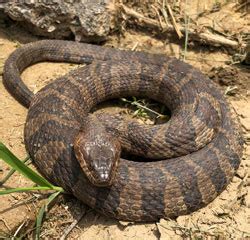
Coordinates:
[226,217]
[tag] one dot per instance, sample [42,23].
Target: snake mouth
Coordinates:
[102,177]
[102,169]
[103,174]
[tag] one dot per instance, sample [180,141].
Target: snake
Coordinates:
[178,167]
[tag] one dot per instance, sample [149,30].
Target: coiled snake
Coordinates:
[194,155]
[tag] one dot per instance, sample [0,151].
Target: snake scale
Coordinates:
[194,155]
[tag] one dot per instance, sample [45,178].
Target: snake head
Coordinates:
[98,155]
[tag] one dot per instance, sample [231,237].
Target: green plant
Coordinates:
[40,183]
[142,108]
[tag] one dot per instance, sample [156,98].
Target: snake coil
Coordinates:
[195,154]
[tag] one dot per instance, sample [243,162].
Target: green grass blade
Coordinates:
[26,189]
[12,171]
[14,162]
[39,220]
[40,215]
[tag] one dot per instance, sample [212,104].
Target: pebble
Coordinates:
[125,223]
[241,172]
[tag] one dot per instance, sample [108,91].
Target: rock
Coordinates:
[86,20]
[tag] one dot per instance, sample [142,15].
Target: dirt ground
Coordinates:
[228,216]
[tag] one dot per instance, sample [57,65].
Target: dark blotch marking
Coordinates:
[89,84]
[106,81]
[175,73]
[134,136]
[152,194]
[178,70]
[191,91]
[53,105]
[223,146]
[70,91]
[188,184]
[206,113]
[211,166]
[166,95]
[66,170]
[67,56]
[182,137]
[43,136]
[148,74]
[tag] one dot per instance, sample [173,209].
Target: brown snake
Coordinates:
[194,155]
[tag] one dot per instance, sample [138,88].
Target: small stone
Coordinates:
[51,28]
[124,223]
[241,172]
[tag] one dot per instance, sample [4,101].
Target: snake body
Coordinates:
[195,154]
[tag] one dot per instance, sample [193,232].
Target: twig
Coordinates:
[143,107]
[195,34]
[159,17]
[230,90]
[176,27]
[140,17]
[205,59]
[17,231]
[213,39]
[135,46]
[5,224]
[147,109]
[164,12]
[73,224]
[242,5]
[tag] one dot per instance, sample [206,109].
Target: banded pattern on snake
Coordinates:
[194,155]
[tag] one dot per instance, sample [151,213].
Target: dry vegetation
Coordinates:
[210,35]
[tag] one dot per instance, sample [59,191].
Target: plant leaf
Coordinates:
[25,189]
[41,213]
[12,171]
[7,156]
